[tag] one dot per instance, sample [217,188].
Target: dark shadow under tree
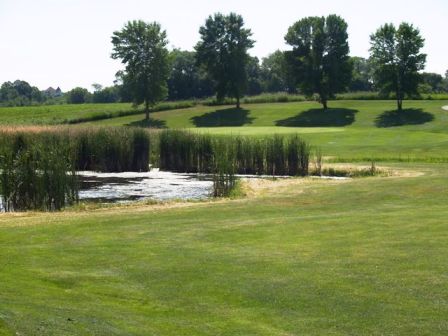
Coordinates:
[320,118]
[226,117]
[403,117]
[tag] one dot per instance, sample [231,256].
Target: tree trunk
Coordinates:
[400,95]
[238,102]
[399,104]
[325,104]
[147,112]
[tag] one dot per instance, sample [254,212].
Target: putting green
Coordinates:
[266,130]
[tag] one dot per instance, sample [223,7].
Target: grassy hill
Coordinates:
[352,130]
[349,131]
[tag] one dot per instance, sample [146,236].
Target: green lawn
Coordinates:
[364,257]
[361,257]
[350,131]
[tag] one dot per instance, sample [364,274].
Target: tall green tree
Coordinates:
[187,80]
[320,56]
[396,59]
[223,52]
[275,74]
[253,70]
[142,48]
[361,75]
[78,95]
[433,81]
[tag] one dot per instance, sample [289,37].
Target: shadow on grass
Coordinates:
[226,117]
[405,117]
[320,118]
[152,123]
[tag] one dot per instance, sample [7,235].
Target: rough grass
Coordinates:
[75,113]
[365,257]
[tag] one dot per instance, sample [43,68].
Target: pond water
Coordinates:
[158,185]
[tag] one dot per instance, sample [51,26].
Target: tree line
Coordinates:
[317,65]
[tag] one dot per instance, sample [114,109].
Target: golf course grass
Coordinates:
[359,257]
[299,256]
[349,131]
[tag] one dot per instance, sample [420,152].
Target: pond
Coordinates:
[156,185]
[129,186]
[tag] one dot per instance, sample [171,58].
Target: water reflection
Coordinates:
[129,186]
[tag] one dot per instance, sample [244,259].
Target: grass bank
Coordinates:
[350,131]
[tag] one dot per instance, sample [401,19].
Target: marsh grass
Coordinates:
[111,149]
[189,152]
[36,175]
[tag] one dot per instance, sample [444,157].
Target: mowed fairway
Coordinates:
[360,257]
[349,131]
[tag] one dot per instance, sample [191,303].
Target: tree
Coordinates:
[320,56]
[361,75]
[433,81]
[186,79]
[78,95]
[253,76]
[142,48]
[19,93]
[223,52]
[275,74]
[396,59]
[105,94]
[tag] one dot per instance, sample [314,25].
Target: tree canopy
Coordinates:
[361,75]
[397,60]
[78,95]
[320,56]
[142,48]
[223,52]
[187,80]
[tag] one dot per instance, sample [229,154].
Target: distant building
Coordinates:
[52,93]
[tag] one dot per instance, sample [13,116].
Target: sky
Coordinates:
[67,43]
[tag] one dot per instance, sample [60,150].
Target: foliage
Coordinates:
[397,60]
[320,56]
[105,95]
[187,80]
[142,48]
[361,80]
[20,93]
[78,95]
[434,83]
[223,52]
[276,75]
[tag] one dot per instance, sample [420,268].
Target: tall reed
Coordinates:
[188,152]
[111,149]
[36,175]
